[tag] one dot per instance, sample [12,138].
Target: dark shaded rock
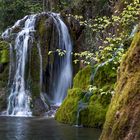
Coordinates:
[89,9]
[4,73]
[1,68]
[3,99]
[39,107]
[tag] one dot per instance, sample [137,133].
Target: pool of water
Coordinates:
[19,128]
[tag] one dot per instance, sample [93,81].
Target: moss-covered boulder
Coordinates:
[122,120]
[81,106]
[4,64]
[70,104]
[4,72]
[4,53]
[82,79]
[68,111]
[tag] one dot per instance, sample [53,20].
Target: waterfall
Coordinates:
[42,95]
[135,28]
[82,105]
[63,64]
[19,99]
[22,37]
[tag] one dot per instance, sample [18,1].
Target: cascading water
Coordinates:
[135,28]
[19,99]
[62,73]
[82,105]
[42,96]
[22,38]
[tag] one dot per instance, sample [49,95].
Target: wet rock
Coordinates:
[39,107]
[3,100]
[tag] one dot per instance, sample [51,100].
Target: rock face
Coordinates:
[88,8]
[122,120]
[4,73]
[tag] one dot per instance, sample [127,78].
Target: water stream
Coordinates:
[62,78]
[82,105]
[19,99]
[20,96]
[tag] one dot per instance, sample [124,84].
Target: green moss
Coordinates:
[4,53]
[45,37]
[42,27]
[82,78]
[105,76]
[35,73]
[4,56]
[94,115]
[122,120]
[4,72]
[93,112]
[68,111]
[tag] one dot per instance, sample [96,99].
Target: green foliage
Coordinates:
[12,10]
[109,34]
[60,52]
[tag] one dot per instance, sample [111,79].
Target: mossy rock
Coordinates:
[4,53]
[91,116]
[4,73]
[94,115]
[68,111]
[96,105]
[122,120]
[82,78]
[105,75]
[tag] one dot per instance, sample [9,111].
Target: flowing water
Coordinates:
[14,128]
[135,28]
[20,55]
[82,105]
[63,64]
[19,99]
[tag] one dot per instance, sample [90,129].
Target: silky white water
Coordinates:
[19,99]
[21,43]
[63,74]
